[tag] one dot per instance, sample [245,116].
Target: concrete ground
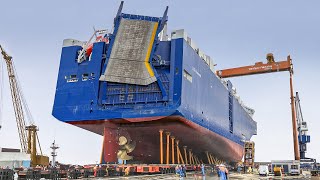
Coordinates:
[197,176]
[253,176]
[190,176]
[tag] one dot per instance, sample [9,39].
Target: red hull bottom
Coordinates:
[145,132]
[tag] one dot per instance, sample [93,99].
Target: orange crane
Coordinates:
[270,67]
[28,134]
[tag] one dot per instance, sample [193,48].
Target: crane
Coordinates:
[270,67]
[28,134]
[304,138]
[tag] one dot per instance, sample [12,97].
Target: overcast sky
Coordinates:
[233,32]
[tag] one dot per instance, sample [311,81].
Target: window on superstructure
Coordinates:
[73,78]
[85,77]
[187,75]
[121,97]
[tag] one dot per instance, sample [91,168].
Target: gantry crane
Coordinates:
[28,134]
[270,67]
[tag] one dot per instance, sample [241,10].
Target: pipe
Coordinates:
[185,154]
[168,143]
[294,121]
[209,160]
[181,158]
[196,159]
[178,154]
[212,159]
[172,148]
[190,156]
[161,146]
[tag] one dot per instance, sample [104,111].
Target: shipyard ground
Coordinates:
[197,176]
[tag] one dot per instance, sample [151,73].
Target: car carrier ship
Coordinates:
[136,80]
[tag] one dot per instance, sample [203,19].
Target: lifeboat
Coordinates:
[98,39]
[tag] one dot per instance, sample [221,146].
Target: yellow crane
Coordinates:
[28,134]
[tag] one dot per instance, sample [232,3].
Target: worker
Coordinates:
[239,169]
[198,168]
[249,170]
[15,175]
[270,58]
[127,171]
[177,170]
[180,171]
[107,170]
[227,172]
[217,170]
[202,170]
[95,169]
[222,172]
[184,169]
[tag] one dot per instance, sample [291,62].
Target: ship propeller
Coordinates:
[125,148]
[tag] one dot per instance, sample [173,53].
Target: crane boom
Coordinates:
[269,67]
[16,101]
[257,68]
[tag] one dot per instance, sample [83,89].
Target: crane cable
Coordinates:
[23,100]
[39,143]
[25,106]
[1,92]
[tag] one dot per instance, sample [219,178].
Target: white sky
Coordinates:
[234,33]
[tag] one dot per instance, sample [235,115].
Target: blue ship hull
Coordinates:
[187,99]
